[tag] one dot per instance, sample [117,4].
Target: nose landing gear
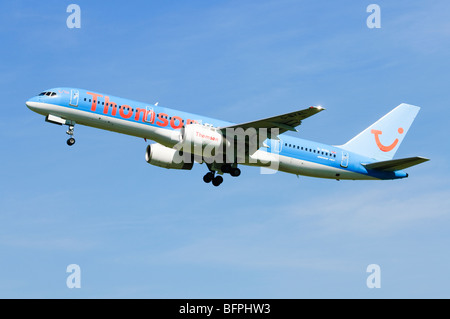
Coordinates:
[71,141]
[69,132]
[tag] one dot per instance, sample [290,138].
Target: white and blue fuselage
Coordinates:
[70,106]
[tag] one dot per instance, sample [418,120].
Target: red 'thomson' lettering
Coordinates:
[140,114]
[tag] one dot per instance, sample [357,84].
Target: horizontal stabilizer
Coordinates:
[397,164]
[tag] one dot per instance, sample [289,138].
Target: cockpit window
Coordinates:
[47,94]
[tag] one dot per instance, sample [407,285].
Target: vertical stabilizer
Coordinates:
[382,139]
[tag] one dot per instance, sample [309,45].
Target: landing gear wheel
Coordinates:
[69,132]
[208,177]
[217,180]
[71,141]
[226,168]
[235,172]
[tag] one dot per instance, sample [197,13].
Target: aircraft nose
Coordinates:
[31,103]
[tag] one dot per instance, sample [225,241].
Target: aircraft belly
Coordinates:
[308,168]
[302,167]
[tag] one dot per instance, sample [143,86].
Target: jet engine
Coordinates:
[161,156]
[201,140]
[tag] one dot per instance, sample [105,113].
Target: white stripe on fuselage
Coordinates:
[302,167]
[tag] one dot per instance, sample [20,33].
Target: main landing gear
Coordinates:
[233,171]
[69,132]
[217,180]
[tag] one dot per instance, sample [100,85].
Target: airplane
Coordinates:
[181,138]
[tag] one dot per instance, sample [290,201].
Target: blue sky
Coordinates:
[139,231]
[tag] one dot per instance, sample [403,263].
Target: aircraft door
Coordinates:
[74,97]
[275,145]
[344,161]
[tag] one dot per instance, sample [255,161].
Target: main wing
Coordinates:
[253,134]
[283,122]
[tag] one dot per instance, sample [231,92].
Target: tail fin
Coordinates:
[382,139]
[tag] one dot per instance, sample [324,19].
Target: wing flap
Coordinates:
[397,164]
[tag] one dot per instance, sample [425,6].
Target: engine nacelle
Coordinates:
[161,156]
[201,140]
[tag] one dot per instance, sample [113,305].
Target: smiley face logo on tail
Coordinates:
[383,147]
